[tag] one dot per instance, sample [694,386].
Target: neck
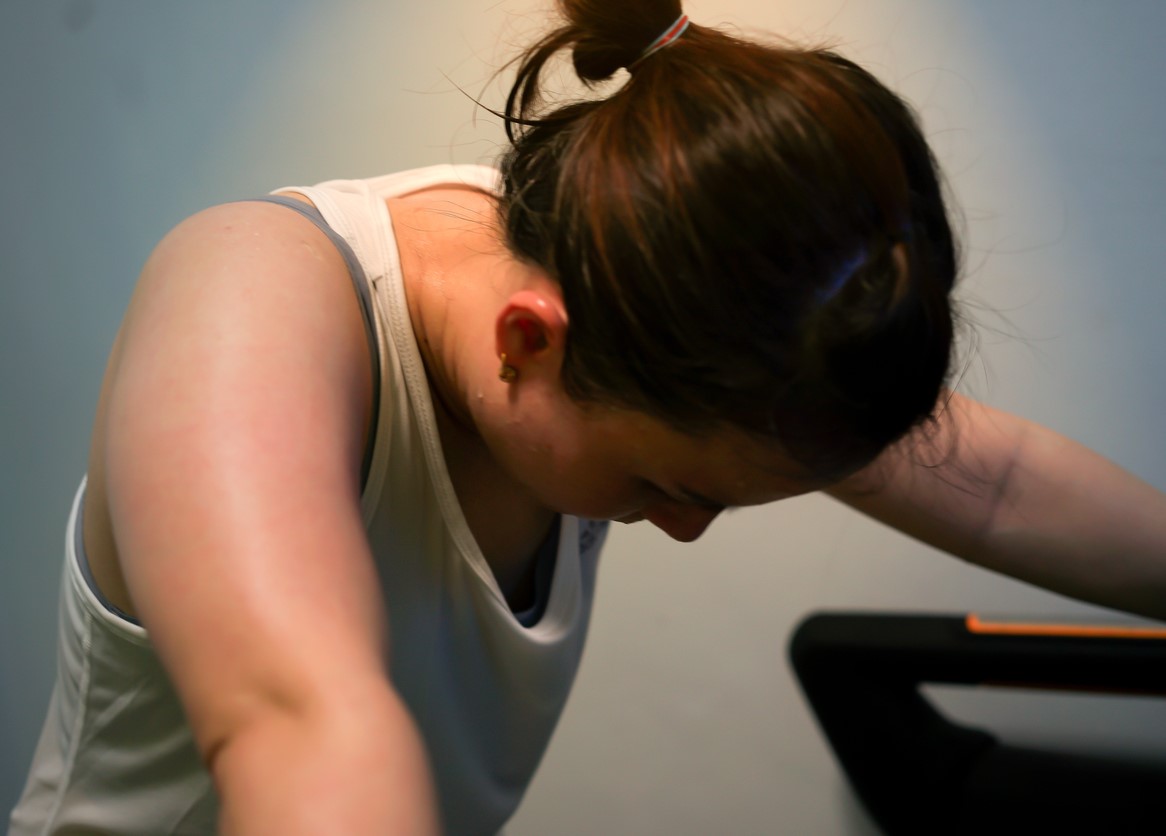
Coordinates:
[457,275]
[453,262]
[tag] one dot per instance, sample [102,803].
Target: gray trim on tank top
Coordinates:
[83,562]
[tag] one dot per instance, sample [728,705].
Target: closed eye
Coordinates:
[690,497]
[684,496]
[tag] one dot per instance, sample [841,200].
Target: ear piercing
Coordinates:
[507,374]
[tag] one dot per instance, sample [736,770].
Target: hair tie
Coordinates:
[671,34]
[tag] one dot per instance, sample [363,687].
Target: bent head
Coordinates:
[745,236]
[601,460]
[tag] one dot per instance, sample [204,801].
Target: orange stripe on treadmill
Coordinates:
[1096,631]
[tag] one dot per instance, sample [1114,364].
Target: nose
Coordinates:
[681,522]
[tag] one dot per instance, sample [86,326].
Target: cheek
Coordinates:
[586,489]
[570,469]
[584,484]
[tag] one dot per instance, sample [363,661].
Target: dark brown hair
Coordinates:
[745,235]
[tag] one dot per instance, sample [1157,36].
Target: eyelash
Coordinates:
[656,491]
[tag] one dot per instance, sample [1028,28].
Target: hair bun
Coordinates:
[611,34]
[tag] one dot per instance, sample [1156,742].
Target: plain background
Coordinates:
[120,117]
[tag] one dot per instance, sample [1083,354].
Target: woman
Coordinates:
[333,560]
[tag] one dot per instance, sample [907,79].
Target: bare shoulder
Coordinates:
[238,294]
[226,451]
[227,252]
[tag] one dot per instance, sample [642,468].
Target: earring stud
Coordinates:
[507,374]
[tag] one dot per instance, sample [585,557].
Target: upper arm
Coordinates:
[944,484]
[236,419]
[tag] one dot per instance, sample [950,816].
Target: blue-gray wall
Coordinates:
[119,117]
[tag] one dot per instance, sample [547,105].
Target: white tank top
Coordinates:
[116,755]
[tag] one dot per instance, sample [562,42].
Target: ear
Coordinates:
[531,328]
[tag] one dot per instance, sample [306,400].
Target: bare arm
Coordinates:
[1015,497]
[237,413]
